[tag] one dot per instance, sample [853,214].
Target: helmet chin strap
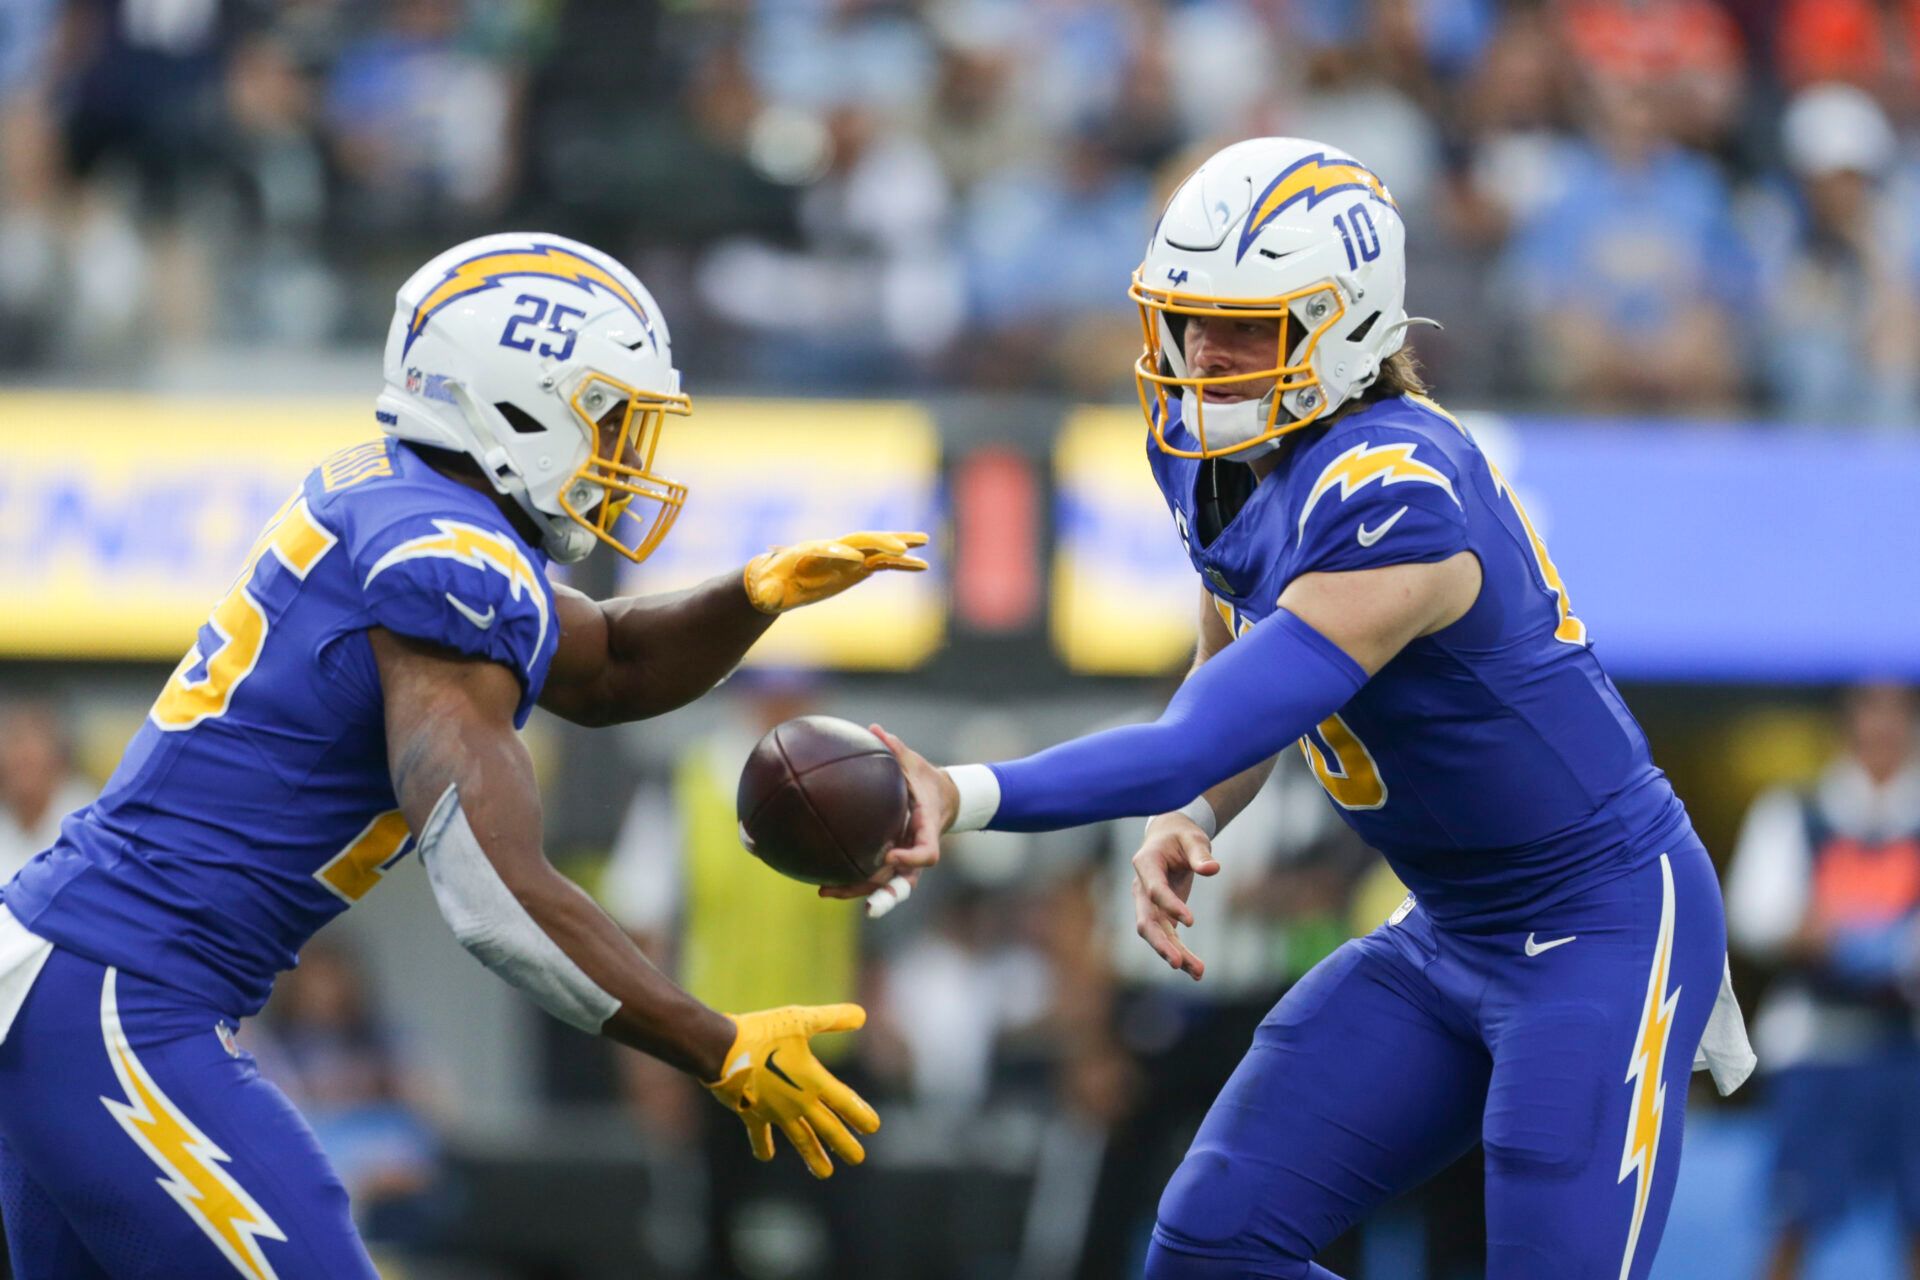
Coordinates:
[1232,422]
[561,536]
[567,544]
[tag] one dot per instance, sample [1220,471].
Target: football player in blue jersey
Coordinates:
[1372,589]
[356,696]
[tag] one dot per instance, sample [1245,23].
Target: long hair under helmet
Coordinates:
[1282,229]
[514,349]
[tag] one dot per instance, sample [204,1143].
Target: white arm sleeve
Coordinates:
[495,929]
[1767,885]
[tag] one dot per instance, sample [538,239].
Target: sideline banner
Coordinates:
[1693,551]
[124,517]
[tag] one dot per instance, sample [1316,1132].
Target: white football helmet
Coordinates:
[513,349]
[1278,228]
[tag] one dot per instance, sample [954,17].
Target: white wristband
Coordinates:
[1199,811]
[979,789]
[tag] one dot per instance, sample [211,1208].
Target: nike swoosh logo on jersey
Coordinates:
[1535,948]
[1370,536]
[471,614]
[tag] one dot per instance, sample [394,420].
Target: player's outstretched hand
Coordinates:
[771,1079]
[808,572]
[1175,850]
[930,800]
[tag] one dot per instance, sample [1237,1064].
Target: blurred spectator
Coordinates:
[29,176]
[1825,886]
[1049,249]
[422,122]
[1631,280]
[1682,58]
[733,931]
[321,1042]
[741,937]
[1351,102]
[874,286]
[963,981]
[1859,42]
[877,196]
[1840,268]
[275,80]
[39,786]
[143,132]
[1279,905]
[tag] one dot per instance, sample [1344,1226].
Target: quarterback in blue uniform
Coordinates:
[1373,590]
[353,698]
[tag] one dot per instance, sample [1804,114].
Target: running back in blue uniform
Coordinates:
[353,697]
[1374,590]
[255,805]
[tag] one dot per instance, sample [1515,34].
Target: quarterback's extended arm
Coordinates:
[465,785]
[639,656]
[1285,675]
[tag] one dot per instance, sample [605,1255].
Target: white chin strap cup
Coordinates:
[1229,424]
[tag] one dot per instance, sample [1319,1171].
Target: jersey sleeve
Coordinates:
[1389,499]
[462,585]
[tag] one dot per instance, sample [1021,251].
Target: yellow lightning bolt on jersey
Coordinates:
[1646,1072]
[481,548]
[1365,464]
[191,1161]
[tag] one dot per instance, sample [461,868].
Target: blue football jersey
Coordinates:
[254,804]
[1493,763]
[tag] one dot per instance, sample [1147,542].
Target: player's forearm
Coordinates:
[655,1016]
[663,651]
[470,795]
[541,932]
[1227,799]
[1230,716]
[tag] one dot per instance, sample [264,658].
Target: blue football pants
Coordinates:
[137,1143]
[1569,1060]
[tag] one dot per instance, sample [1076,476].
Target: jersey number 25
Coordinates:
[296,540]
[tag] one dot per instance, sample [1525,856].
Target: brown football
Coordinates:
[821,800]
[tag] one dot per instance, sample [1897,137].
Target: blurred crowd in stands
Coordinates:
[1653,206]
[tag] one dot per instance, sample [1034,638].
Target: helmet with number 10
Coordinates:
[1282,229]
[549,364]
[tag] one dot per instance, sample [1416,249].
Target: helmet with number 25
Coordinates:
[548,363]
[1282,229]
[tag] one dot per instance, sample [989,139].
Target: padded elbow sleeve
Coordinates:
[495,929]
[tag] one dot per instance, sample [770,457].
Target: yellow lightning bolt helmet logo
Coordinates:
[1647,1071]
[487,270]
[1363,464]
[191,1161]
[481,548]
[1312,179]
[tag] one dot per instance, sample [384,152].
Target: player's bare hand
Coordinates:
[1175,851]
[931,801]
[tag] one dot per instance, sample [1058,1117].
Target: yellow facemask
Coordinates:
[621,466]
[1154,383]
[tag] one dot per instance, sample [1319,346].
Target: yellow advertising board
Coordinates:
[764,472]
[1125,599]
[123,518]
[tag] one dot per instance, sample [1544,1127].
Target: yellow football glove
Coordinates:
[807,572]
[772,1078]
